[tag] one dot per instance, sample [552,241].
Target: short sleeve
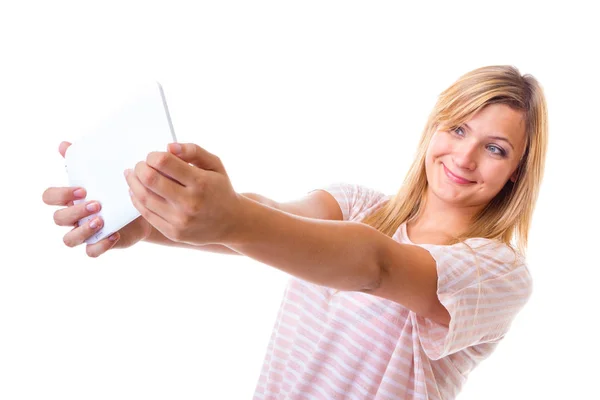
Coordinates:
[483,291]
[354,200]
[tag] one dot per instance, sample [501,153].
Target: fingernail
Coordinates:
[79,193]
[92,207]
[176,148]
[113,237]
[94,224]
[127,172]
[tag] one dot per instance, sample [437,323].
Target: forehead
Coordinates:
[500,120]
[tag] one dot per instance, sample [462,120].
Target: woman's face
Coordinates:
[470,165]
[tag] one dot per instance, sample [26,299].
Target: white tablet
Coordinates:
[96,161]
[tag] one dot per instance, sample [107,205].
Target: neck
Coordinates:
[444,218]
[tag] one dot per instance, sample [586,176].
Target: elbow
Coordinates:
[374,279]
[376,266]
[368,280]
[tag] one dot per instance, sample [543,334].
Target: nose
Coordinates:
[465,156]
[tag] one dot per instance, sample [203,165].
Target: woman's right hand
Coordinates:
[137,230]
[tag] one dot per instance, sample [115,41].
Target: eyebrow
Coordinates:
[493,137]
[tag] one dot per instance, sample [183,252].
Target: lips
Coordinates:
[456,178]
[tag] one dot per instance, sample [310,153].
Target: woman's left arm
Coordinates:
[342,255]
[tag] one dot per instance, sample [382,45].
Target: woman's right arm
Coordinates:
[158,238]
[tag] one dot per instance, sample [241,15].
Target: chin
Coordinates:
[449,191]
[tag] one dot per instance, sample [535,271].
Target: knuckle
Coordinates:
[151,157]
[199,183]
[138,169]
[190,208]
[182,220]
[144,212]
[148,176]
[158,159]
[142,198]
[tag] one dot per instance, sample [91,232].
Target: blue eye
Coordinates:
[459,129]
[499,151]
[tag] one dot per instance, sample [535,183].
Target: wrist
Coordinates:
[147,229]
[150,233]
[241,227]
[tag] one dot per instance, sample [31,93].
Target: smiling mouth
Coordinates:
[455,178]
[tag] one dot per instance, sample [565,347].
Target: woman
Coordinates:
[392,297]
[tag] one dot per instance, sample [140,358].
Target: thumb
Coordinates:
[196,155]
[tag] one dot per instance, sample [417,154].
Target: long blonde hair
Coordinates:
[508,215]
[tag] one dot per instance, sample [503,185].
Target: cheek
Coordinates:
[495,176]
[438,147]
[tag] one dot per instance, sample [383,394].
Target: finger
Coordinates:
[79,234]
[61,196]
[196,155]
[162,225]
[160,192]
[145,197]
[101,247]
[70,215]
[132,233]
[62,148]
[178,172]
[165,175]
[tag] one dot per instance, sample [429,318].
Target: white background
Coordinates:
[291,96]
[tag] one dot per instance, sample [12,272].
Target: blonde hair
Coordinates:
[508,215]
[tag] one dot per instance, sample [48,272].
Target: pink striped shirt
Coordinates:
[352,345]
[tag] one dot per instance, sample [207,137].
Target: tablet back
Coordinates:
[96,161]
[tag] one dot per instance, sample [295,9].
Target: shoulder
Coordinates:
[490,249]
[485,259]
[482,284]
[355,200]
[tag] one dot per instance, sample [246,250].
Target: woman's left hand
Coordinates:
[185,194]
